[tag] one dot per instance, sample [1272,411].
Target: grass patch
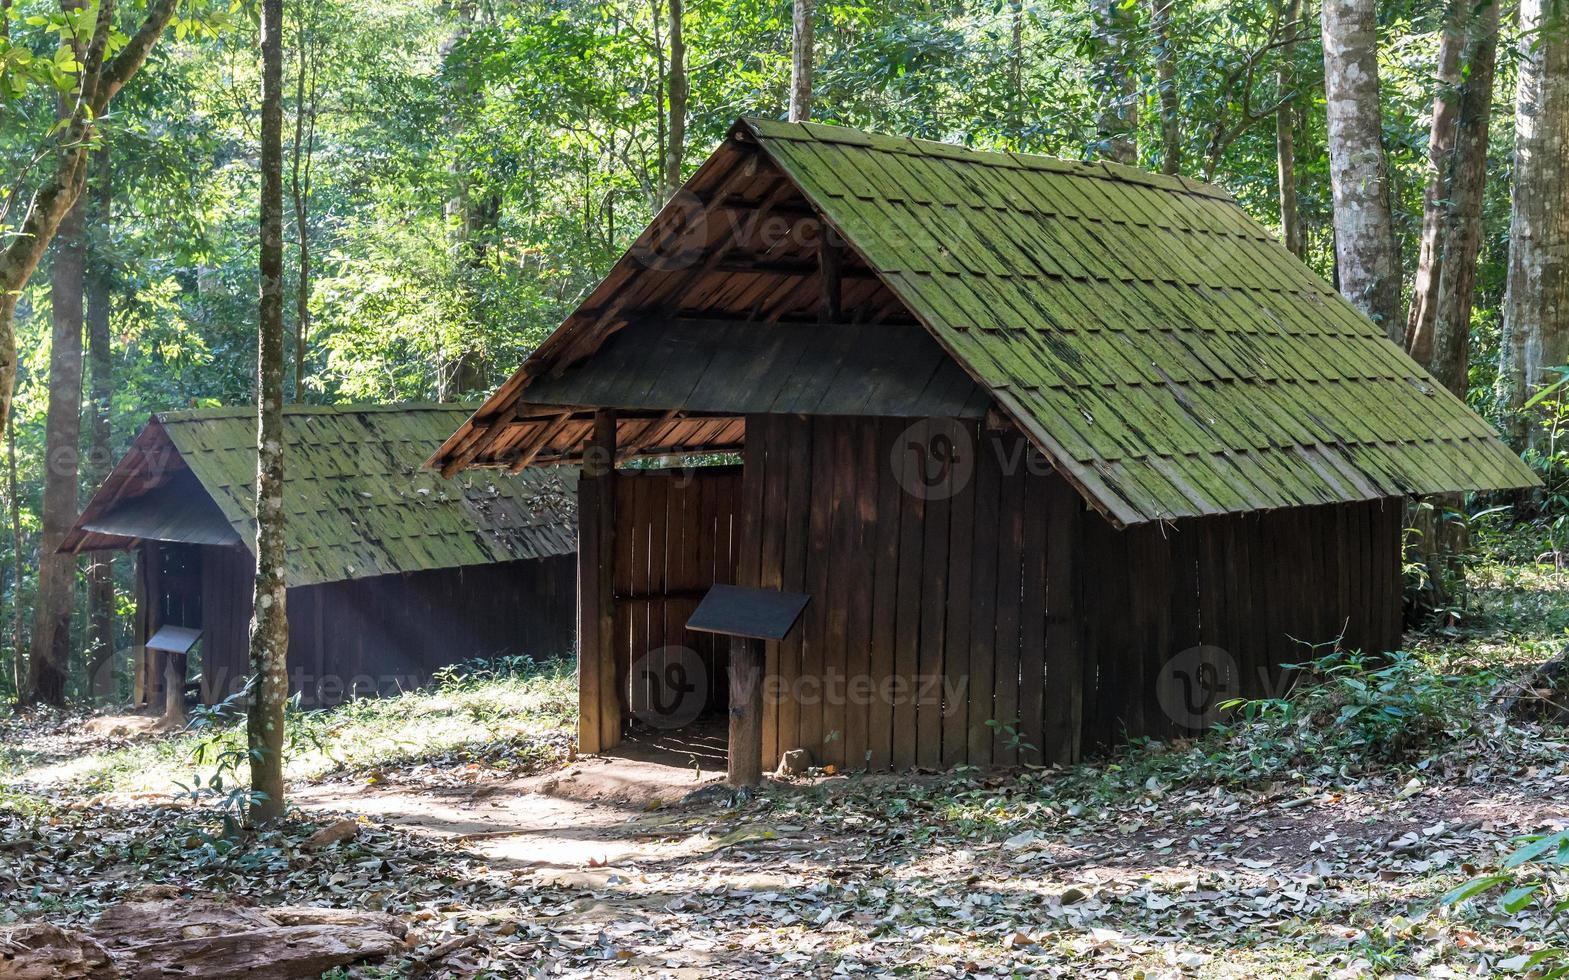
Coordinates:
[511,715]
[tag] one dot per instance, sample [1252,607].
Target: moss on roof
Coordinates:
[1159,344]
[358,502]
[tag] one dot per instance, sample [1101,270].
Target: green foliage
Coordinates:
[1534,878]
[1349,709]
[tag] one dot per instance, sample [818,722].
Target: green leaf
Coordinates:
[1473,888]
[1537,847]
[1518,898]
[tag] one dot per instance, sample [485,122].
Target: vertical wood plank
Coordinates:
[983,600]
[815,628]
[885,592]
[934,607]
[861,681]
[1032,615]
[907,616]
[956,638]
[842,581]
[1010,545]
[798,500]
[1063,705]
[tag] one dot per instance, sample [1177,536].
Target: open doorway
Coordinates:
[677,535]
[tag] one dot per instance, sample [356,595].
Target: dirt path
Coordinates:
[567,826]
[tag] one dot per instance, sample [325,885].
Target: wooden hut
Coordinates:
[393,571]
[1061,452]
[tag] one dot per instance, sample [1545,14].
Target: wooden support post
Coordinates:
[746,711]
[599,699]
[174,690]
[830,256]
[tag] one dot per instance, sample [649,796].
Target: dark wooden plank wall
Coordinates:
[377,636]
[674,538]
[990,618]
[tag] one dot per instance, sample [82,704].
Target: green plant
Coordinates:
[1350,707]
[1534,880]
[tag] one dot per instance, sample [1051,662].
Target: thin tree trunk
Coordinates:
[472,218]
[1285,139]
[1438,329]
[100,573]
[1536,305]
[14,502]
[49,665]
[1117,113]
[1166,84]
[269,623]
[305,106]
[1016,69]
[675,146]
[1366,255]
[801,62]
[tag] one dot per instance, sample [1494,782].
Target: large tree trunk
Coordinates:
[49,665]
[1367,258]
[269,622]
[1115,82]
[1166,82]
[100,573]
[675,139]
[801,61]
[1285,139]
[1439,328]
[100,80]
[1536,306]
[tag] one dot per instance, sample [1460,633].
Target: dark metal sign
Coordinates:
[761,614]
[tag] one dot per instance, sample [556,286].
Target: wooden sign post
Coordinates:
[750,617]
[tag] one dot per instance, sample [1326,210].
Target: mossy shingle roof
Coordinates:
[1167,354]
[1159,344]
[357,501]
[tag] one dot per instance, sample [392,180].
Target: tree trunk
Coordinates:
[49,665]
[305,106]
[269,622]
[801,62]
[1536,303]
[1366,255]
[1285,140]
[1166,83]
[675,145]
[1115,84]
[1439,328]
[1016,69]
[472,218]
[100,573]
[18,650]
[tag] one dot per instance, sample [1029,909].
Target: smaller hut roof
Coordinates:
[357,501]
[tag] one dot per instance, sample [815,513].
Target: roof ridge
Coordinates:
[347,408]
[765,129]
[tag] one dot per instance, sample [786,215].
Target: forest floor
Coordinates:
[1313,840]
